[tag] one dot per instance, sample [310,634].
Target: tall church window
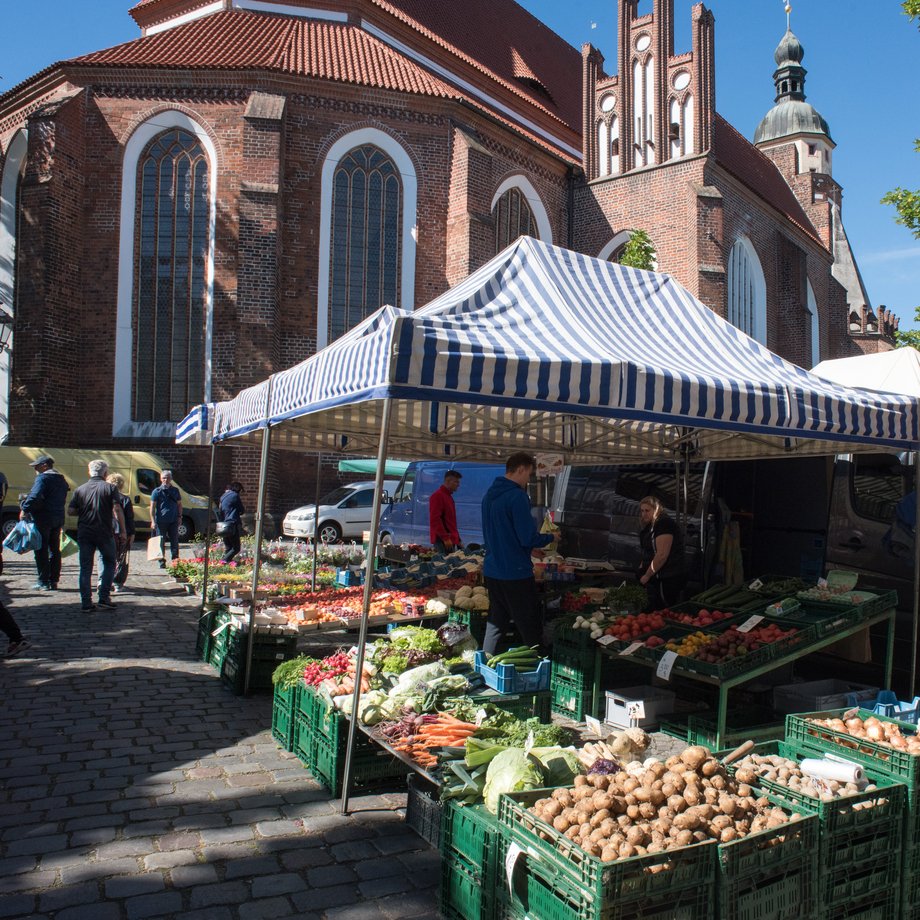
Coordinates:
[513,218]
[603,145]
[747,297]
[171,294]
[644,111]
[814,330]
[366,237]
[615,145]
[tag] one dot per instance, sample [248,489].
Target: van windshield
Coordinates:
[148,480]
[336,495]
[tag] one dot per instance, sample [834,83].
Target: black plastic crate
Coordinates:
[423,809]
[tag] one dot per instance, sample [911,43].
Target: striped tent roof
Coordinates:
[548,350]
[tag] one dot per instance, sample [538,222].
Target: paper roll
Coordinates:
[836,770]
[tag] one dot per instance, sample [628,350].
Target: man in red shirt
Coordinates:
[442,514]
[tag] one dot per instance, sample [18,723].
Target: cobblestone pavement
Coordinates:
[133,784]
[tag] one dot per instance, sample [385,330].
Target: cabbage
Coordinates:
[410,679]
[561,765]
[511,771]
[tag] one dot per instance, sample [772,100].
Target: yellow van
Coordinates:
[140,468]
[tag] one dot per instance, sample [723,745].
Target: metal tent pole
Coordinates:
[257,536]
[368,588]
[207,530]
[316,520]
[913,657]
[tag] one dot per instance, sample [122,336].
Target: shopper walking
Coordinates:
[44,506]
[97,508]
[442,514]
[165,514]
[125,539]
[511,539]
[18,642]
[230,514]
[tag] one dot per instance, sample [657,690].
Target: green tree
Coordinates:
[910,337]
[906,202]
[639,251]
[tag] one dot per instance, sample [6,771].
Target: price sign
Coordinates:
[606,640]
[666,665]
[822,582]
[481,715]
[635,710]
[749,624]
[528,744]
[594,726]
[632,648]
[511,858]
[755,585]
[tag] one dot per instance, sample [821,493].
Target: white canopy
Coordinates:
[896,371]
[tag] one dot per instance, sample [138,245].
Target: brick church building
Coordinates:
[185,213]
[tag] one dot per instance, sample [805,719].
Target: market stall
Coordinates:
[550,351]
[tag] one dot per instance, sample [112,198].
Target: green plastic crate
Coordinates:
[470,833]
[371,766]
[879,758]
[856,883]
[233,675]
[849,833]
[473,620]
[203,641]
[771,874]
[676,725]
[463,894]
[881,906]
[301,739]
[284,708]
[570,699]
[740,726]
[605,887]
[522,705]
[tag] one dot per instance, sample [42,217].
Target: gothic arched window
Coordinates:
[513,218]
[171,272]
[747,291]
[366,237]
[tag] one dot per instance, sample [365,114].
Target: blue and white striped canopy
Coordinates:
[548,350]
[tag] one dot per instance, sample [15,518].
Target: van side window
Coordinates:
[147,481]
[364,498]
[878,483]
[404,489]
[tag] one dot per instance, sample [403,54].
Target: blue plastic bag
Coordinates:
[23,538]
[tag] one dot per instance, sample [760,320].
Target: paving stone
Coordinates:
[353,850]
[267,908]
[410,904]
[180,841]
[169,859]
[355,912]
[277,884]
[321,898]
[104,910]
[197,874]
[250,779]
[297,859]
[378,887]
[126,886]
[74,856]
[154,905]
[68,895]
[39,845]
[330,875]
[397,843]
[17,864]
[279,828]
[99,869]
[224,893]
[137,846]
[379,868]
[17,904]
[27,881]
[209,913]
[211,836]
[253,866]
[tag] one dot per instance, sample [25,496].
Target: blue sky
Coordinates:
[859,58]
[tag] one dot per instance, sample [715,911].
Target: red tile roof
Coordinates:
[242,40]
[758,172]
[502,39]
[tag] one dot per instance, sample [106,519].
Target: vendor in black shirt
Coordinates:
[663,568]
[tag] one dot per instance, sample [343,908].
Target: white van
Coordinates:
[140,468]
[344,514]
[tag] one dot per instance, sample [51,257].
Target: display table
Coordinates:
[726,684]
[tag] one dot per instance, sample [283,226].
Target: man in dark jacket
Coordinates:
[165,515]
[511,538]
[97,508]
[231,516]
[44,506]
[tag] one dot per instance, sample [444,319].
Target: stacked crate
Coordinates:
[284,711]
[321,743]
[883,762]
[573,672]
[472,863]
[268,651]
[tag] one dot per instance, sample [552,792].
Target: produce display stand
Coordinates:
[726,684]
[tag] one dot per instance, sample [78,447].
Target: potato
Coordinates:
[658,797]
[692,795]
[563,796]
[599,817]
[596,835]
[632,812]
[648,778]
[630,784]
[627,851]
[683,838]
[647,810]
[719,823]
[728,834]
[635,836]
[709,767]
[610,854]
[710,795]
[624,820]
[581,780]
[600,781]
[584,831]
[668,789]
[694,757]
[602,801]
[746,776]
[672,762]
[573,832]
[744,790]
[677,804]
[592,848]
[608,826]
[561,823]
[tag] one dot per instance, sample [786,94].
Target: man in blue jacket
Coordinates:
[165,515]
[511,538]
[44,505]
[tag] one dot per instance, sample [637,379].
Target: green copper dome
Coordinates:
[791,114]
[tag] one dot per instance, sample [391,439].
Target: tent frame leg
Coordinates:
[913,646]
[368,589]
[207,530]
[319,467]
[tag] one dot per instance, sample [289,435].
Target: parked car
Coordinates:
[405,520]
[344,514]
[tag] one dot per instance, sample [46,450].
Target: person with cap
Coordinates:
[442,514]
[97,506]
[165,514]
[44,506]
